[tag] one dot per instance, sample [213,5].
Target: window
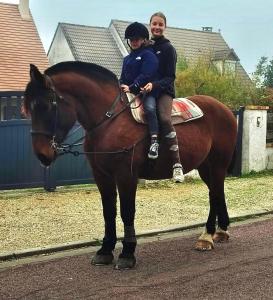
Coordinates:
[10,108]
[230,67]
[227,67]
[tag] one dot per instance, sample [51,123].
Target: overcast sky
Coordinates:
[247,26]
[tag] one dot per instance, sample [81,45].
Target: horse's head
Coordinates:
[51,115]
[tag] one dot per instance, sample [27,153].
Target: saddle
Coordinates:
[183,110]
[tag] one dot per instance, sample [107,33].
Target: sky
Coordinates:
[246,26]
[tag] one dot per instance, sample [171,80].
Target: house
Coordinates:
[20,46]
[107,46]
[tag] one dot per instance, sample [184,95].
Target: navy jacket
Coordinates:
[167,58]
[139,68]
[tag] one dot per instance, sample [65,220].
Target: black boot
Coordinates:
[153,151]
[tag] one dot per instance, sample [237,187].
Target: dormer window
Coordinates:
[230,67]
[225,62]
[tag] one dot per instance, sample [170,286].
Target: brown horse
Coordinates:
[117,146]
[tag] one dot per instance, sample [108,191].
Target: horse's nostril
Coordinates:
[44,160]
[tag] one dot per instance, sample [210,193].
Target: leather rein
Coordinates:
[65,148]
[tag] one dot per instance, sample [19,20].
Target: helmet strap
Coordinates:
[127,41]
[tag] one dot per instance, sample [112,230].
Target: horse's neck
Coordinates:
[91,99]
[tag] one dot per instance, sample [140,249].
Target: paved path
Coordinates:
[167,269]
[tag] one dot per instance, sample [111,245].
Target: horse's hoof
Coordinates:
[220,236]
[204,243]
[125,263]
[203,246]
[102,259]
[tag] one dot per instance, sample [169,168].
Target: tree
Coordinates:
[263,77]
[201,77]
[263,74]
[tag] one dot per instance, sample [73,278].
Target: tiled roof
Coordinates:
[189,43]
[20,46]
[93,44]
[101,46]
[192,43]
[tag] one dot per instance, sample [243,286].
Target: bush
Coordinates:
[202,78]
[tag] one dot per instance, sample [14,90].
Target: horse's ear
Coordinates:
[35,74]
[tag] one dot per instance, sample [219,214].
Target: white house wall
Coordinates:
[59,50]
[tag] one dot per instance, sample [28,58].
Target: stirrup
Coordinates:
[153,151]
[178,175]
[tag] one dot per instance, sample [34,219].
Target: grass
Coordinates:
[34,218]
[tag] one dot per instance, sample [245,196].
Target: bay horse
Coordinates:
[116,146]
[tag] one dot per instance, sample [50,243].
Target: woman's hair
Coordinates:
[159,14]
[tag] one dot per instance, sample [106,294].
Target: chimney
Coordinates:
[207,29]
[24,9]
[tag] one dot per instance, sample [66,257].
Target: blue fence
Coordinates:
[19,168]
[237,164]
[269,131]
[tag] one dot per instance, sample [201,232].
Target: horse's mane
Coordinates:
[88,69]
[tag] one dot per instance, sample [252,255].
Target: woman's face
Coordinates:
[136,43]
[157,26]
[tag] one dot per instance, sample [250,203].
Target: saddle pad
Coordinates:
[183,110]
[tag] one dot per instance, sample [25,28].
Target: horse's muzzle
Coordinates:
[44,159]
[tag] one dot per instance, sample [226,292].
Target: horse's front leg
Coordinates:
[127,186]
[107,188]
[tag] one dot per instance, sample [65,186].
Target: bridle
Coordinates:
[54,103]
[64,148]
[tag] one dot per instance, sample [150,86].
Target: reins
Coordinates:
[62,148]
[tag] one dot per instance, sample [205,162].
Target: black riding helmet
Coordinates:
[136,30]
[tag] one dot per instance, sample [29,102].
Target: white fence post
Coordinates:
[254,139]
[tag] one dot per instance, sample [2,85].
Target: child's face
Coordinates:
[136,43]
[157,26]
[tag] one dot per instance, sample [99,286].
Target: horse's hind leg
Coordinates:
[214,178]
[127,194]
[107,188]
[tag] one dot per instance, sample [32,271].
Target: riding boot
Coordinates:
[169,134]
[178,175]
[153,151]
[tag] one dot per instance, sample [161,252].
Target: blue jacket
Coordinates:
[139,68]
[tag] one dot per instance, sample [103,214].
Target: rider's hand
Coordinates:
[125,88]
[148,87]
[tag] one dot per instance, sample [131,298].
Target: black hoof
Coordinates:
[125,263]
[102,259]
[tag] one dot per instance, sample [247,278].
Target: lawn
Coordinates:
[35,218]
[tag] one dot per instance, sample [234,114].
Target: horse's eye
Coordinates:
[40,105]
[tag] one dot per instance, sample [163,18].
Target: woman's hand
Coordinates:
[148,87]
[125,88]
